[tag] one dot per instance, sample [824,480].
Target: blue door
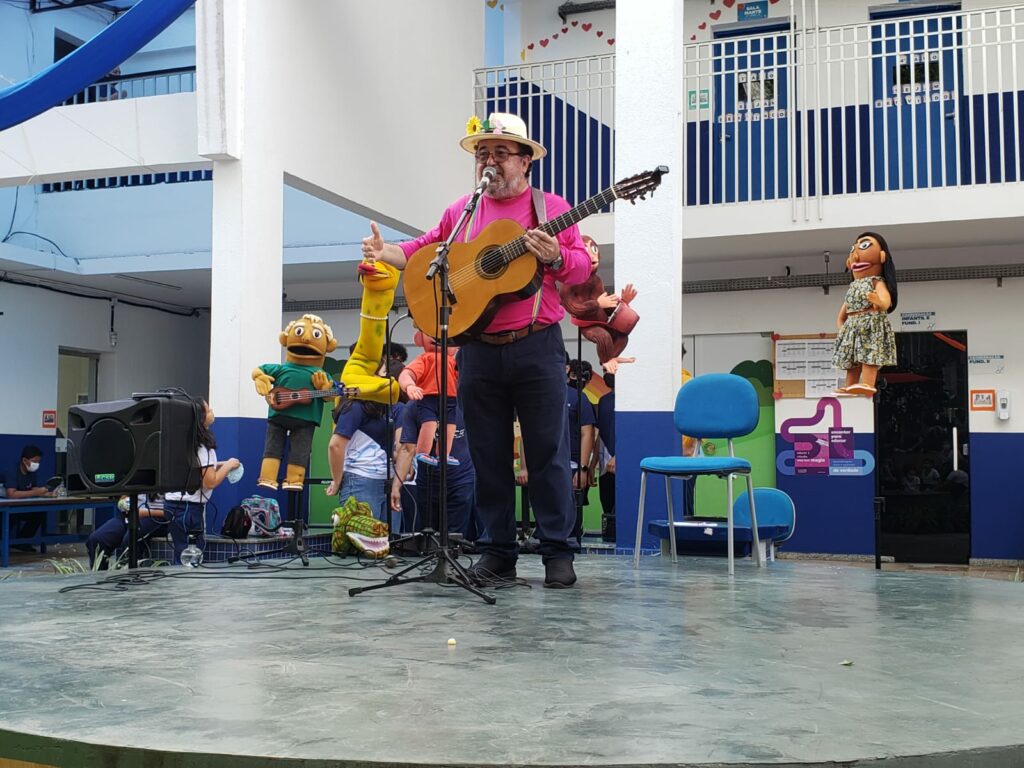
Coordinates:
[917,77]
[749,144]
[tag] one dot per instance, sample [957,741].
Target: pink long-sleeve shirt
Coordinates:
[575,259]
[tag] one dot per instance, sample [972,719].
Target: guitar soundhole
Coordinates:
[490,265]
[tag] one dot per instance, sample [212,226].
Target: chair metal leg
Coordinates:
[756,541]
[671,519]
[728,513]
[640,519]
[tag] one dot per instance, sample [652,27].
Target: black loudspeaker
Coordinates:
[144,445]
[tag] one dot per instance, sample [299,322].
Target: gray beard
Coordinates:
[500,189]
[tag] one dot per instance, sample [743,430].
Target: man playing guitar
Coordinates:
[516,365]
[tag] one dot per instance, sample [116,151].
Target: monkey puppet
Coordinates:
[866,341]
[605,319]
[307,342]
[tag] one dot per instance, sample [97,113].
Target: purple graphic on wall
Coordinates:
[829,450]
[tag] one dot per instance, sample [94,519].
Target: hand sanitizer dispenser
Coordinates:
[1003,404]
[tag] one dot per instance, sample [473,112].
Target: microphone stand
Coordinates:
[446,566]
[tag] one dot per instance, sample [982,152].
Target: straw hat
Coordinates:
[500,125]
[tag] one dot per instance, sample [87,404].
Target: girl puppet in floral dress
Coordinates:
[866,341]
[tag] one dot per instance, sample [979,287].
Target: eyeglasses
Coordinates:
[500,155]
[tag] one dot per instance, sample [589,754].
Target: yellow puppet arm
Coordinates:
[264,382]
[361,368]
[321,380]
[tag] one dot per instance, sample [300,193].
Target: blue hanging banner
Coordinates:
[756,9]
[88,63]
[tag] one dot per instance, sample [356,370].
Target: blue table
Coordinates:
[46,504]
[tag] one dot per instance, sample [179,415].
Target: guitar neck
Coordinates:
[513,250]
[313,393]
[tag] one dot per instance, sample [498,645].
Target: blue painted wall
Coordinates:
[833,514]
[639,434]
[997,510]
[240,438]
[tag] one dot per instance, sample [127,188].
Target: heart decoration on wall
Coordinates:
[728,3]
[586,26]
[702,26]
[714,15]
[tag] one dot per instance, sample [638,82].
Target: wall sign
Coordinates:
[986,364]
[822,442]
[753,9]
[924,321]
[49,419]
[983,399]
[699,99]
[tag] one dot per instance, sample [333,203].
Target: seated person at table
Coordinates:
[22,483]
[113,534]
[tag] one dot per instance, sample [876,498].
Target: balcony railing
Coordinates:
[894,104]
[569,108]
[156,83]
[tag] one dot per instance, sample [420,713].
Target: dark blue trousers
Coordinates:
[113,534]
[461,505]
[496,383]
[186,517]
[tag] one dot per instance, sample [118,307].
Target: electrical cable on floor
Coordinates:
[123,581]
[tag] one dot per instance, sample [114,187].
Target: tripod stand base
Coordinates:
[295,546]
[446,570]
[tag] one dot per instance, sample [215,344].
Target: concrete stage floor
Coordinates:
[669,665]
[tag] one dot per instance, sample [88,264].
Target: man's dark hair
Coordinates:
[399,352]
[580,370]
[31,452]
[528,151]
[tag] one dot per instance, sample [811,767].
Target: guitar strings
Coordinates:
[507,253]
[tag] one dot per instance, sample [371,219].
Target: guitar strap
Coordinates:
[540,210]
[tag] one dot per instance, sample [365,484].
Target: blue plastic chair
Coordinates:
[775,509]
[716,405]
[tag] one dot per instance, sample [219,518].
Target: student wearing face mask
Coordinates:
[22,483]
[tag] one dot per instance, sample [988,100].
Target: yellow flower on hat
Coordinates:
[473,126]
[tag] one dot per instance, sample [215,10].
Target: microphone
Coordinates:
[488,175]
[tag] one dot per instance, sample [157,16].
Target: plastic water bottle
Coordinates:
[191,556]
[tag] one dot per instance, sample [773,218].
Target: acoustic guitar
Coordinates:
[282,398]
[495,267]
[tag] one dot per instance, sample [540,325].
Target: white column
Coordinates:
[649,235]
[648,244]
[246,285]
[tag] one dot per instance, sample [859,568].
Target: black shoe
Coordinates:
[559,573]
[491,567]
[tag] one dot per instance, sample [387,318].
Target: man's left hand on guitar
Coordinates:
[628,293]
[542,245]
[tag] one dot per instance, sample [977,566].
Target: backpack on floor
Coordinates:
[264,514]
[237,524]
